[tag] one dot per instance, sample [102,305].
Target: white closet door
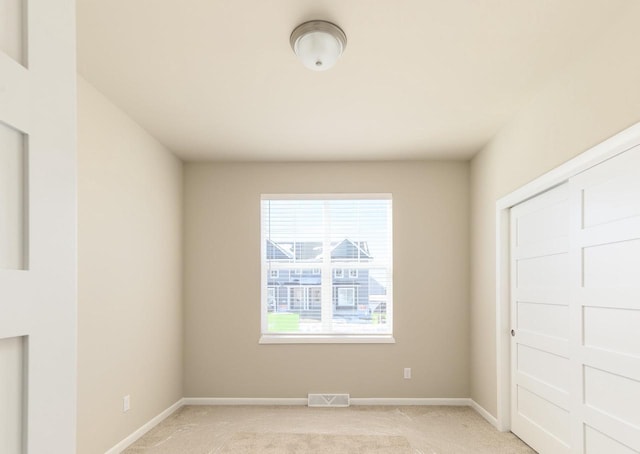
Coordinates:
[605,351]
[37,227]
[575,309]
[540,293]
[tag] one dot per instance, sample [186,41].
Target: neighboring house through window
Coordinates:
[327,265]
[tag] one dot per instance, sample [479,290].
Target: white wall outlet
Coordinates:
[126,403]
[407,372]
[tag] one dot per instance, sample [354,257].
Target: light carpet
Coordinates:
[293,443]
[427,430]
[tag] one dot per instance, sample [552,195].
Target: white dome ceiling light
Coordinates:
[318,44]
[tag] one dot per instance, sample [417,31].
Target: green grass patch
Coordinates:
[281,322]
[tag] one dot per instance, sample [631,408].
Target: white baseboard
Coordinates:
[484,413]
[458,402]
[131,439]
[300,401]
[463,402]
[244,401]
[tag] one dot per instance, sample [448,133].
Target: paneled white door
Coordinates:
[575,313]
[540,293]
[37,227]
[605,250]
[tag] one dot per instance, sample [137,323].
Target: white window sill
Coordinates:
[326,339]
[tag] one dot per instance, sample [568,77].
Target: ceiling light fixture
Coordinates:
[318,44]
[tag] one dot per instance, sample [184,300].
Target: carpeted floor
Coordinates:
[277,443]
[353,430]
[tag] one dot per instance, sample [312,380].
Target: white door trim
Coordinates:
[611,147]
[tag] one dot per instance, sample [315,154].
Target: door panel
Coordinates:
[540,265]
[545,414]
[612,394]
[12,32]
[540,416]
[612,265]
[12,199]
[543,224]
[37,226]
[549,320]
[549,368]
[596,443]
[12,394]
[612,329]
[611,200]
[605,246]
[549,272]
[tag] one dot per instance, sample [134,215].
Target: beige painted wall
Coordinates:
[594,97]
[130,268]
[222,284]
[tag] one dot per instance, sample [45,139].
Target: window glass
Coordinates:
[327,265]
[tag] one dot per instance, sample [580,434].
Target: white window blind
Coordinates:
[326,265]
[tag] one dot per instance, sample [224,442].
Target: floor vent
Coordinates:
[328,400]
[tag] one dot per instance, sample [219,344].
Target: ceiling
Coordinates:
[420,79]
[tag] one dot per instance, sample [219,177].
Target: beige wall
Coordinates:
[222,284]
[130,267]
[593,98]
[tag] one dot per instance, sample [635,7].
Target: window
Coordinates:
[345,297]
[327,268]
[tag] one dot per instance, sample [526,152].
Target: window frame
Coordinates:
[304,338]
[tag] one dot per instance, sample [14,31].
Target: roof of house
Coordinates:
[312,250]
